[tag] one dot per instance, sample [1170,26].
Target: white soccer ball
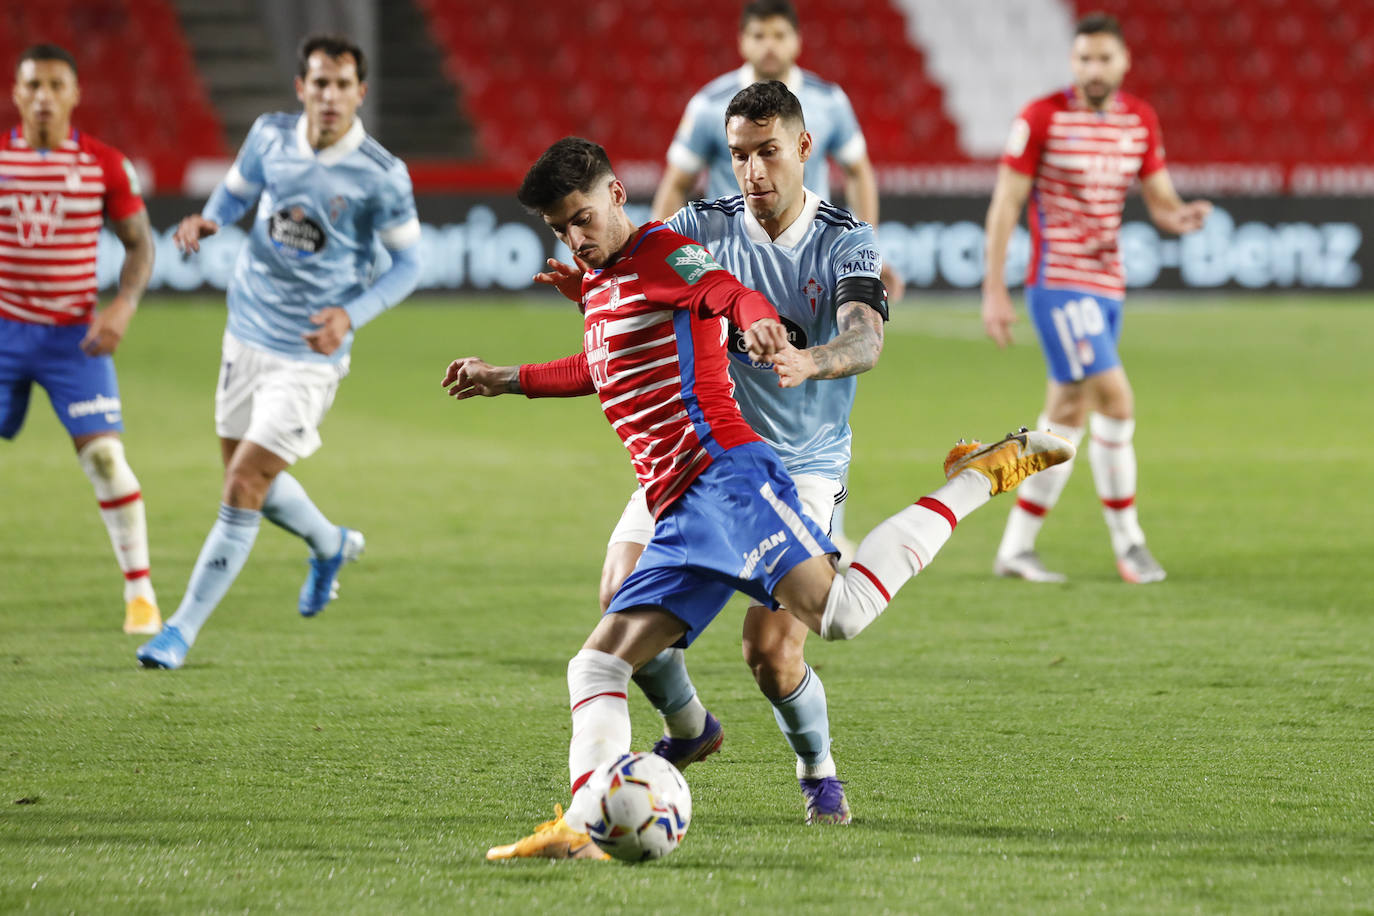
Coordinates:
[643,807]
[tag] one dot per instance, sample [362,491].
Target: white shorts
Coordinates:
[274,401]
[819,497]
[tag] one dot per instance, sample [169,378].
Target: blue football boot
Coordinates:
[165,650]
[322,584]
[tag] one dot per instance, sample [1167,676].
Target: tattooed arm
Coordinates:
[854,350]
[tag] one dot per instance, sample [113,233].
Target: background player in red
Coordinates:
[1074,153]
[57,185]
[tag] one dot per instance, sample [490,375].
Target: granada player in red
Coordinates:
[1073,154]
[728,517]
[57,186]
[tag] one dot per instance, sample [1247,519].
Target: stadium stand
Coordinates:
[1247,80]
[526,80]
[139,88]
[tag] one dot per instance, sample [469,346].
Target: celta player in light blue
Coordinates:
[327,194]
[770,44]
[820,268]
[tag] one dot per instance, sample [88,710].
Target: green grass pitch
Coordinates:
[1204,745]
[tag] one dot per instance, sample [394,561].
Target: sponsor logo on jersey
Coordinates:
[864,261]
[291,230]
[752,558]
[692,262]
[796,336]
[99,404]
[38,216]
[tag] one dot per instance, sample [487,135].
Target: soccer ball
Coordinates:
[643,807]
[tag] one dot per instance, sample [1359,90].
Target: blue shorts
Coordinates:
[1078,331]
[82,388]
[740,527]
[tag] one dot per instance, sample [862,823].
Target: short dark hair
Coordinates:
[47,52]
[762,101]
[334,46]
[1099,23]
[767,9]
[571,164]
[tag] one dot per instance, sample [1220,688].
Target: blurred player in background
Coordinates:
[1074,154]
[770,43]
[326,192]
[819,267]
[727,515]
[57,185]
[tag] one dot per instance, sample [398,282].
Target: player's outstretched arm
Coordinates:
[854,350]
[1008,198]
[110,323]
[1167,209]
[471,377]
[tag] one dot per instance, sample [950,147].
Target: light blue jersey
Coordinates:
[798,272]
[700,139]
[314,241]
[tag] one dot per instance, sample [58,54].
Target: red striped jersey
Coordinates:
[52,205]
[1083,161]
[654,352]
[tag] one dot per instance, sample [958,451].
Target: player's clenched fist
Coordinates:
[472,377]
[191,230]
[764,338]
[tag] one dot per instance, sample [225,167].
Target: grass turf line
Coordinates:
[1203,744]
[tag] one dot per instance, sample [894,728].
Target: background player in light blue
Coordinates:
[770,43]
[303,284]
[820,269]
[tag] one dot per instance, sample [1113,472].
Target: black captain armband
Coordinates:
[868,290]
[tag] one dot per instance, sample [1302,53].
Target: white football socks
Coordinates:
[896,550]
[1037,495]
[122,510]
[597,685]
[1112,456]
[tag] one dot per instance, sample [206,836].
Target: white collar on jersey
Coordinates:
[793,234]
[334,153]
[793,80]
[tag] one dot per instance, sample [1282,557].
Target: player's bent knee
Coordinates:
[104,454]
[245,489]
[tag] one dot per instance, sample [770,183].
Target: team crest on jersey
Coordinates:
[291,230]
[337,204]
[73,180]
[692,262]
[38,216]
[812,291]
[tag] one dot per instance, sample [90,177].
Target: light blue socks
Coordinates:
[226,550]
[665,683]
[805,722]
[288,506]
